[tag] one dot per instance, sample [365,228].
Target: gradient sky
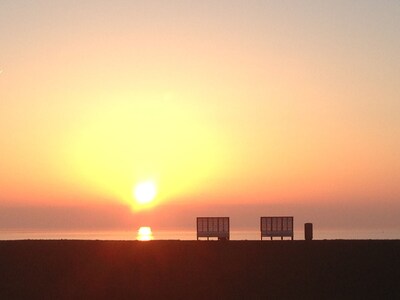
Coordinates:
[237,108]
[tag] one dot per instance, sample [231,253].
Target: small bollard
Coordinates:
[308,231]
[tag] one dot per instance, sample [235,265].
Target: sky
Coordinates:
[233,108]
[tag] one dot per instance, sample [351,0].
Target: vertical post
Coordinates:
[308,231]
[229,229]
[208,229]
[292,228]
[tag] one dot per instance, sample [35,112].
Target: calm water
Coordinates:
[191,235]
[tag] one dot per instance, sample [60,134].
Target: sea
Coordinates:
[130,235]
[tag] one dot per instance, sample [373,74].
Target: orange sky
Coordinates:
[274,106]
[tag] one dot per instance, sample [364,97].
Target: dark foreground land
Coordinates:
[192,270]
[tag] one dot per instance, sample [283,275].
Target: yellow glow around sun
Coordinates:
[145,192]
[113,149]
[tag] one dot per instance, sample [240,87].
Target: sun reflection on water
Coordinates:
[144,234]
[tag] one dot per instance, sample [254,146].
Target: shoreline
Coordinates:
[187,235]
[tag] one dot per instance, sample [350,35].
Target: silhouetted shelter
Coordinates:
[208,227]
[276,227]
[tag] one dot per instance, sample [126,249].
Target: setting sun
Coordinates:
[145,192]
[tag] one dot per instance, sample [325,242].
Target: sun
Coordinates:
[145,192]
